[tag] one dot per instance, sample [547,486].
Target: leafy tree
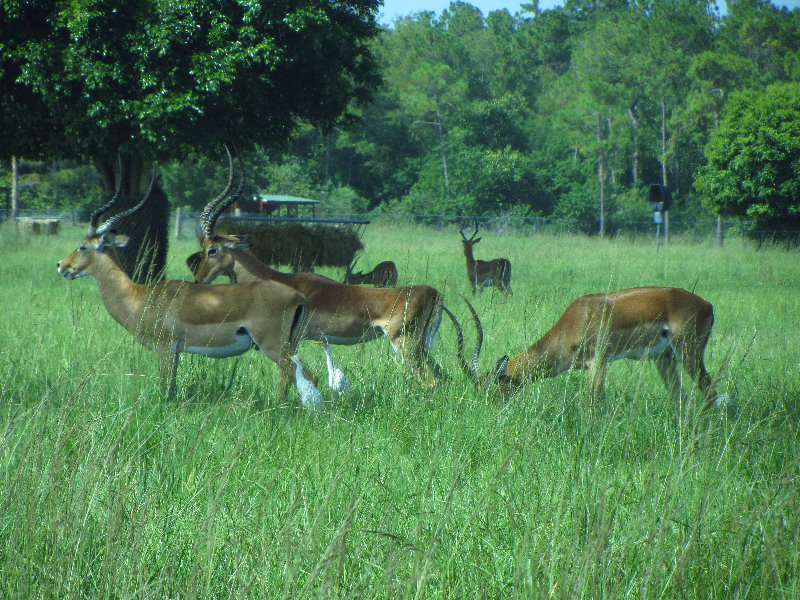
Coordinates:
[753,167]
[764,34]
[431,68]
[495,124]
[147,80]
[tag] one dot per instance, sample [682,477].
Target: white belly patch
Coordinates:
[242,343]
[645,351]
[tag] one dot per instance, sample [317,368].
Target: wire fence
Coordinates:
[184,224]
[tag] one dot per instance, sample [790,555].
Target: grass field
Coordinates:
[108,490]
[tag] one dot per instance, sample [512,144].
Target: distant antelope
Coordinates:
[669,325]
[384,275]
[485,273]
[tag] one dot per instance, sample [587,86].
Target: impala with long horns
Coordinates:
[669,325]
[485,273]
[383,275]
[171,317]
[408,316]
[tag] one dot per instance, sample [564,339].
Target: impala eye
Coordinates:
[212,251]
[82,247]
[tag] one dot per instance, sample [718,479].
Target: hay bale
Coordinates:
[34,226]
[301,246]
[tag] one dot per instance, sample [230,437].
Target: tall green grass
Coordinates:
[107,490]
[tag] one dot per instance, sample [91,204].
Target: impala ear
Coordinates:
[109,239]
[239,244]
[193,261]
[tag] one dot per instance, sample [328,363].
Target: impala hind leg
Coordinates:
[285,376]
[506,279]
[667,365]
[425,369]
[692,361]
[413,355]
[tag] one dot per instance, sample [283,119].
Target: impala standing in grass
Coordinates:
[670,325]
[485,273]
[408,316]
[171,317]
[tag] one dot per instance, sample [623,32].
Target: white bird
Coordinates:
[336,377]
[309,394]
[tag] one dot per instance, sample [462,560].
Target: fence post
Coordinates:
[178,223]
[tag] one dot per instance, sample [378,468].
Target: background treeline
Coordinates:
[566,113]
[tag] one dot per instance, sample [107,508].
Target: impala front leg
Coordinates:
[285,376]
[168,367]
[597,378]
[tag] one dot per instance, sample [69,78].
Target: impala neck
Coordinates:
[248,268]
[123,299]
[540,360]
[469,257]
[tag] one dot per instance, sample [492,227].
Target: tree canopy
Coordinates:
[125,82]
[162,78]
[570,112]
[753,167]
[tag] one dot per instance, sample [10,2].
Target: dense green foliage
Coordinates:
[549,112]
[123,83]
[754,159]
[162,78]
[110,491]
[570,112]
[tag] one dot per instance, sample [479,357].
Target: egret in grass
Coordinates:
[309,394]
[337,380]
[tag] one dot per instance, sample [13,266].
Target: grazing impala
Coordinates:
[384,275]
[485,273]
[171,317]
[669,325]
[408,316]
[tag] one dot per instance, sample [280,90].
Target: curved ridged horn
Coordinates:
[479,340]
[208,230]
[126,213]
[472,369]
[95,217]
[459,344]
[208,227]
[474,233]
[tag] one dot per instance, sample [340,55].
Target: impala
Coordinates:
[485,273]
[383,275]
[171,317]
[408,316]
[669,325]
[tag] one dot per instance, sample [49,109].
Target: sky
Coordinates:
[397,8]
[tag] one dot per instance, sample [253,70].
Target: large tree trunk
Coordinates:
[145,256]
